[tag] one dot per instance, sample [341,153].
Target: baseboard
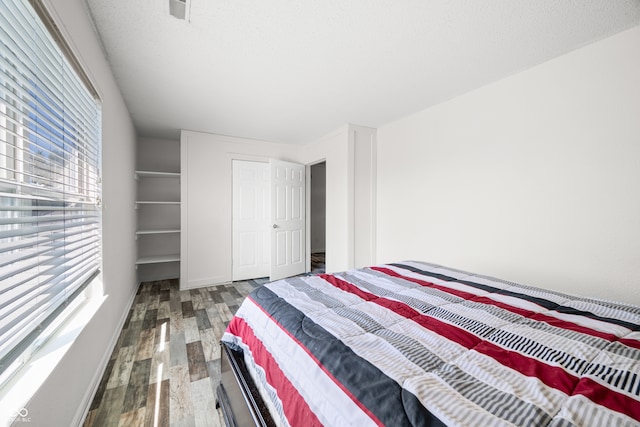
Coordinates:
[83,411]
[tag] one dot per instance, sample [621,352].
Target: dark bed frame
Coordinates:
[238,396]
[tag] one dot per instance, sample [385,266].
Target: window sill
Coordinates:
[20,389]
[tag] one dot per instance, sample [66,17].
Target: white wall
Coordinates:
[206,193]
[535,178]
[61,400]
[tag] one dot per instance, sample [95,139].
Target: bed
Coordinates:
[417,344]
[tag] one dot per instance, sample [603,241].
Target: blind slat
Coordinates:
[50,263]
[23,260]
[40,219]
[30,241]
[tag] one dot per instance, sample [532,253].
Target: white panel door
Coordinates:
[287,219]
[251,215]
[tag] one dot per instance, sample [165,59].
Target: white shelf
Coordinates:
[158,231]
[155,202]
[154,174]
[158,259]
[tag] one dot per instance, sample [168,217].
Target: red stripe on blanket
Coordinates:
[552,376]
[563,324]
[553,321]
[611,399]
[630,342]
[294,406]
[313,357]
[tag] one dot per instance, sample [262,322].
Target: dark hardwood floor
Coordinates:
[166,364]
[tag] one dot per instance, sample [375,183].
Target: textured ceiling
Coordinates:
[291,71]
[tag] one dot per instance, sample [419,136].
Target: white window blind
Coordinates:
[50,127]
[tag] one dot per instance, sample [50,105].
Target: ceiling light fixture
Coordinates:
[180,8]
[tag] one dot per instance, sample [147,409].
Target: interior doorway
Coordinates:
[318,215]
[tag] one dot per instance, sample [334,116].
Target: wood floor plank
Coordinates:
[160,360]
[122,368]
[132,334]
[165,295]
[197,300]
[213,368]
[224,312]
[164,309]
[178,350]
[215,295]
[202,319]
[153,302]
[243,288]
[163,331]
[191,332]
[133,418]
[217,323]
[138,387]
[139,310]
[175,304]
[228,298]
[187,309]
[233,292]
[157,407]
[177,322]
[204,404]
[108,414]
[197,365]
[210,344]
[181,408]
[146,344]
[150,318]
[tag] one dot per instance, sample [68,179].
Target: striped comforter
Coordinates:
[414,344]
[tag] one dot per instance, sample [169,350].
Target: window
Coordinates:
[50,219]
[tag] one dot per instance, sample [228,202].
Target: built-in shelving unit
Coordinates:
[158,207]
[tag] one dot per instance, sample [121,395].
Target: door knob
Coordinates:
[275,226]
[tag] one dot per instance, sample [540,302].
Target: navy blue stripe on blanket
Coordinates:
[540,301]
[381,395]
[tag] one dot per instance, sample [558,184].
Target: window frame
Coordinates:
[84,293]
